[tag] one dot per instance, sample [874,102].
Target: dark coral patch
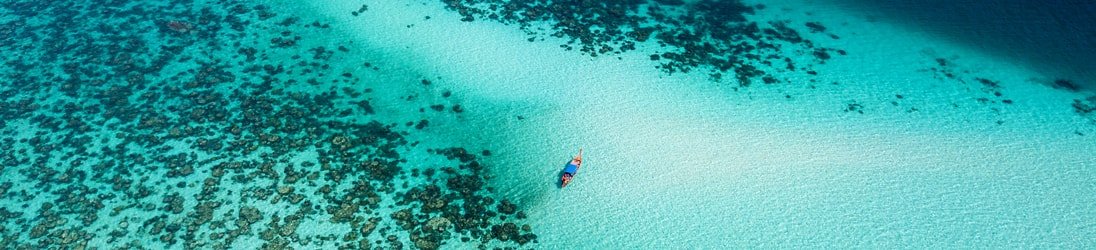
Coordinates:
[709,35]
[1066,85]
[173,123]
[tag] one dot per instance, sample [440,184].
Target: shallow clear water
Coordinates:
[230,125]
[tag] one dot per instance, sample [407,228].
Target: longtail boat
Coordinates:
[570,169]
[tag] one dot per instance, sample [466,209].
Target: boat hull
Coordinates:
[570,169]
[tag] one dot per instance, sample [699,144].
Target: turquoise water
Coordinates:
[396,124]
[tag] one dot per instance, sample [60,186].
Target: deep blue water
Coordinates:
[1055,36]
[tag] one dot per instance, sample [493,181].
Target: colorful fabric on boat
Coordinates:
[570,169]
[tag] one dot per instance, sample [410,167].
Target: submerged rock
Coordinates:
[506,207]
[437,224]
